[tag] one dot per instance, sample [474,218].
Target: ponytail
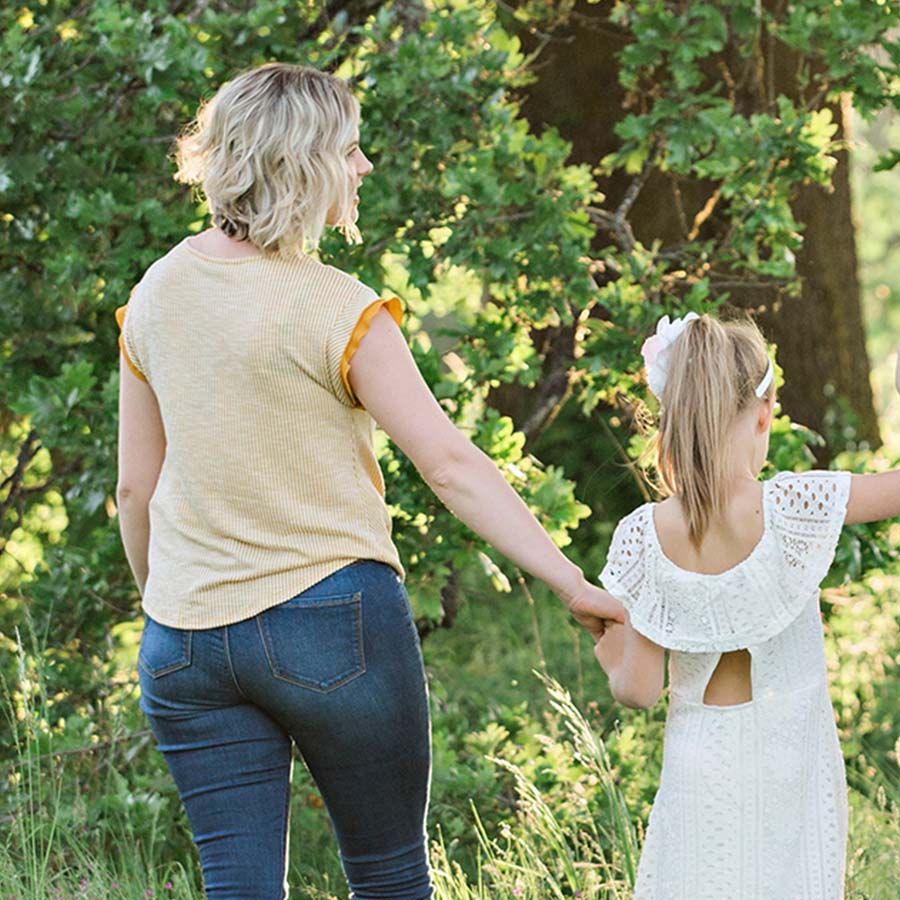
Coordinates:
[713,372]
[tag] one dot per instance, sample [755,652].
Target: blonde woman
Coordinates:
[724,574]
[252,508]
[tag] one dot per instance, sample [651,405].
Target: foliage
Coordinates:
[95,95]
[879,252]
[514,267]
[703,108]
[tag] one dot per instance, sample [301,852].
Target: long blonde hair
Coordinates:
[269,152]
[714,369]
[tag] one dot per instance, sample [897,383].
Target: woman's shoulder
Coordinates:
[160,271]
[190,255]
[324,278]
[177,258]
[339,281]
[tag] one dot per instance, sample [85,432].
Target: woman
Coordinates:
[252,509]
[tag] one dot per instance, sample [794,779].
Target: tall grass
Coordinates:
[557,850]
[48,849]
[873,863]
[570,832]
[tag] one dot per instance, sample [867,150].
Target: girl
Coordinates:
[724,575]
[252,506]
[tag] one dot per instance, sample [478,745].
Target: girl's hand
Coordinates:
[634,665]
[594,608]
[609,649]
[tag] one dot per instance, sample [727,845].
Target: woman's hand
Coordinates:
[594,608]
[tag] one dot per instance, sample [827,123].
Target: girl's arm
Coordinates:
[634,665]
[142,448]
[386,380]
[874,497]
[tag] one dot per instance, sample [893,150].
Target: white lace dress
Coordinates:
[752,800]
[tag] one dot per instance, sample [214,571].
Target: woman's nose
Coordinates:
[363,165]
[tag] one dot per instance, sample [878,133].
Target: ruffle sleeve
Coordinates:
[350,327]
[360,330]
[126,342]
[807,512]
[625,572]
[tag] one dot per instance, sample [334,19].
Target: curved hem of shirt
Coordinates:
[274,586]
[360,330]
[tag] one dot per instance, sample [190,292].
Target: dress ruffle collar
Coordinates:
[749,603]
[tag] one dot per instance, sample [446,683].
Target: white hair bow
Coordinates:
[657,350]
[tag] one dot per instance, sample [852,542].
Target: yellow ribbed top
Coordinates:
[270,482]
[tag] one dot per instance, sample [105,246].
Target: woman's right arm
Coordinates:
[386,380]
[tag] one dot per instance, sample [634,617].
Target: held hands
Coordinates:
[594,609]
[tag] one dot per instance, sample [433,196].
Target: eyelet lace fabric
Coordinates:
[752,798]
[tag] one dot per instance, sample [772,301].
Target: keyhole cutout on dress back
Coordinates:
[730,682]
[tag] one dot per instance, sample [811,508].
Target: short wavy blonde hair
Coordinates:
[270,153]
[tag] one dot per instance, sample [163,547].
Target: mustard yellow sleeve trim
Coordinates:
[120,319]
[360,330]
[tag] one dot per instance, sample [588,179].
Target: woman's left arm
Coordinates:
[387,382]
[142,449]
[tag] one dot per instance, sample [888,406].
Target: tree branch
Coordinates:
[449,607]
[555,390]
[637,185]
[679,205]
[704,213]
[617,223]
[620,230]
[13,482]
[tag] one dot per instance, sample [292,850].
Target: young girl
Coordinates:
[724,574]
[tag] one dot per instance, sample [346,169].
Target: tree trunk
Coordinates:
[820,333]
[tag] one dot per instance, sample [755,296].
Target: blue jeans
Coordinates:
[337,670]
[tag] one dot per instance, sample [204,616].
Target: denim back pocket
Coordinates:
[315,642]
[163,649]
